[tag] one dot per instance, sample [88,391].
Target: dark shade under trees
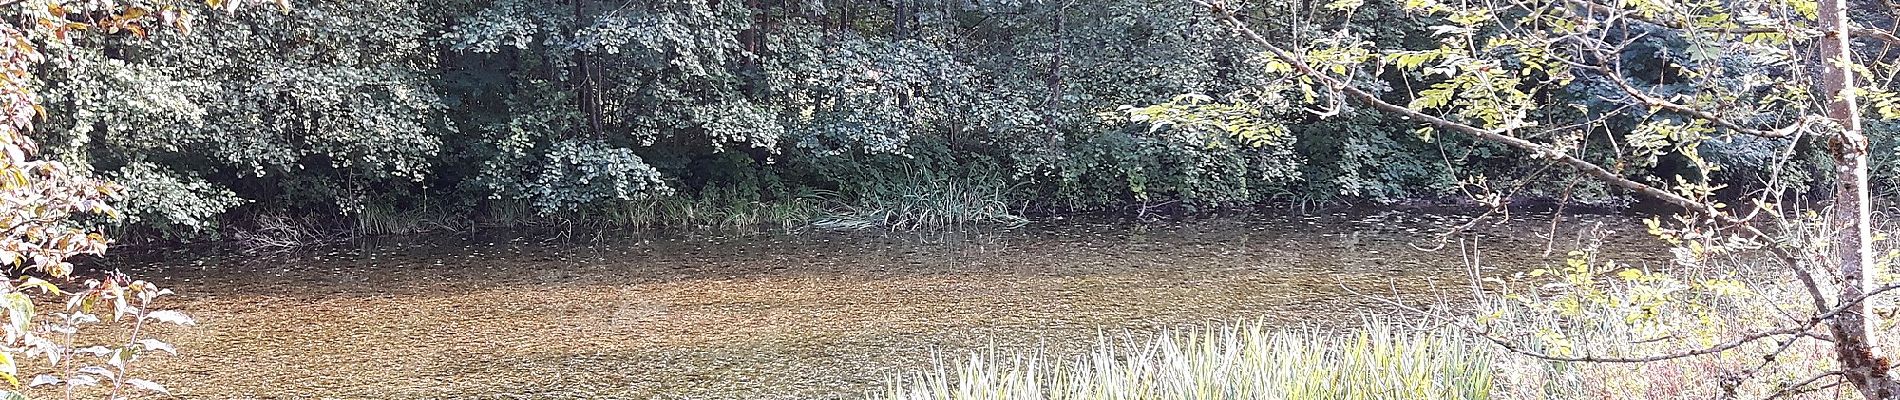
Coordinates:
[341,111]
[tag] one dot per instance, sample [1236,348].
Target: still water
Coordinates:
[785,316]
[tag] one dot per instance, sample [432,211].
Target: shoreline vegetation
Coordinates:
[1440,352]
[899,208]
[1758,140]
[1375,360]
[457,114]
[719,215]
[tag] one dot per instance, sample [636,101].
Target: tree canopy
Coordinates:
[335,109]
[344,111]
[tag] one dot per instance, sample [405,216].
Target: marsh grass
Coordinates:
[915,199]
[920,198]
[713,209]
[381,219]
[1235,361]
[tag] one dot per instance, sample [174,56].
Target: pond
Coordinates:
[784,316]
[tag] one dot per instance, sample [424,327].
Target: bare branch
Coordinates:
[1849,304]
[1877,34]
[1796,389]
[1718,348]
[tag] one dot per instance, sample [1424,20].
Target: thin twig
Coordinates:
[1796,388]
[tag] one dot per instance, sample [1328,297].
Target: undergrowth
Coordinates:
[920,198]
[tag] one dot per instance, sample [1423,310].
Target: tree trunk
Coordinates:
[1053,101]
[583,76]
[900,19]
[753,38]
[1858,352]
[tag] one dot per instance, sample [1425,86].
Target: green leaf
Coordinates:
[19,310]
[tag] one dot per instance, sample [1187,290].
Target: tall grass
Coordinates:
[714,209]
[920,198]
[1384,361]
[377,219]
[1246,361]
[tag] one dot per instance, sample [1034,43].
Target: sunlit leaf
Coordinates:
[148,386]
[171,317]
[98,370]
[159,345]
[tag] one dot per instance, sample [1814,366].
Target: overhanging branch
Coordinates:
[1729,222]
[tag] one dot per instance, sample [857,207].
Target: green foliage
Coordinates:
[44,201]
[1362,156]
[343,107]
[852,94]
[1884,158]
[162,199]
[303,108]
[1135,166]
[576,173]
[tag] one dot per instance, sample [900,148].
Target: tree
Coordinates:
[40,200]
[1684,74]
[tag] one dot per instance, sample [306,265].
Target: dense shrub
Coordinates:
[334,108]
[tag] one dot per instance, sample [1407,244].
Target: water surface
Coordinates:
[783,316]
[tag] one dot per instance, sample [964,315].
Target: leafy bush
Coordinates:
[340,108]
[91,364]
[576,173]
[160,199]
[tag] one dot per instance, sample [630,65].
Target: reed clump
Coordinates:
[920,198]
[1235,361]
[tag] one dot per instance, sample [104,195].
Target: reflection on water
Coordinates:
[812,315]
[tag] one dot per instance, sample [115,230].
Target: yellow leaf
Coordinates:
[134,13]
[48,287]
[8,369]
